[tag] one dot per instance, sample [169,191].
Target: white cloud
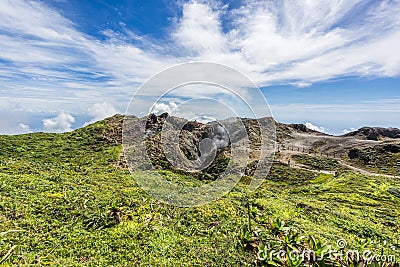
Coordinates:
[51,63]
[24,128]
[302,84]
[199,29]
[272,41]
[59,124]
[309,125]
[345,131]
[100,111]
[203,118]
[159,108]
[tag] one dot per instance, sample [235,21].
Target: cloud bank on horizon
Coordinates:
[50,65]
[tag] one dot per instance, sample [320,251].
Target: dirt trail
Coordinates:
[362,171]
[306,168]
[285,155]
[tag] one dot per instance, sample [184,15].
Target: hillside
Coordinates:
[69,200]
[375,133]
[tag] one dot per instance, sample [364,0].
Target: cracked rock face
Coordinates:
[203,149]
[176,143]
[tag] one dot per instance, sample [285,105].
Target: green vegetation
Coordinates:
[317,162]
[285,246]
[282,174]
[66,201]
[384,159]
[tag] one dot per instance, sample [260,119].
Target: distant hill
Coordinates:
[375,133]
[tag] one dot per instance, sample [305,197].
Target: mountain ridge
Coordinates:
[363,132]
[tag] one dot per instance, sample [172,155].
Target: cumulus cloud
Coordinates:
[311,126]
[100,111]
[273,42]
[159,108]
[24,128]
[59,124]
[346,131]
[199,29]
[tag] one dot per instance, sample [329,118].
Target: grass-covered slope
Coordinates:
[64,201]
[383,158]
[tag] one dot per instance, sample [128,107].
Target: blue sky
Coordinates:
[332,64]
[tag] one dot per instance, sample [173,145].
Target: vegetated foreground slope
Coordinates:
[67,200]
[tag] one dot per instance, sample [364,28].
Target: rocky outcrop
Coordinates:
[375,133]
[300,127]
[178,144]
